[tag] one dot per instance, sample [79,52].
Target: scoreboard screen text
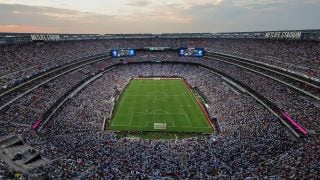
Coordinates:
[123,53]
[195,52]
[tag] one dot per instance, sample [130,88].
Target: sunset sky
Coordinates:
[157,16]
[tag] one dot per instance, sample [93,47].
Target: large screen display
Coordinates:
[123,52]
[195,52]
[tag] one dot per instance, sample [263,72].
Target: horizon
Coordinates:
[58,33]
[156,17]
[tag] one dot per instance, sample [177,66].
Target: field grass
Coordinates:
[162,105]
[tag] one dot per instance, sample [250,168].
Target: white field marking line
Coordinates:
[157,95]
[150,84]
[194,102]
[162,121]
[131,118]
[173,125]
[188,120]
[132,113]
[169,123]
[195,127]
[158,113]
[160,110]
[151,93]
[118,110]
[158,83]
[128,126]
[148,122]
[153,117]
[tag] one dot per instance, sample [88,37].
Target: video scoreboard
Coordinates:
[195,52]
[123,52]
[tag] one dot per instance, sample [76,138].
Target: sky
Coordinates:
[157,16]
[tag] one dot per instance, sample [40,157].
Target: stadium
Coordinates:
[158,112]
[234,105]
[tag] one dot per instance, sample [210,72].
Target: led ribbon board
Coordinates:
[157,48]
[116,53]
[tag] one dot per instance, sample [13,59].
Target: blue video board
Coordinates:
[123,53]
[195,52]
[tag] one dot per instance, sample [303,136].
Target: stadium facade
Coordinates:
[313,35]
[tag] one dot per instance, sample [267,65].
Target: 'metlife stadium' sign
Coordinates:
[284,35]
[45,37]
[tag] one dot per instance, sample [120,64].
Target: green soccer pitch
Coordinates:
[159,105]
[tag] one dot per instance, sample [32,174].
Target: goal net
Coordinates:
[159,125]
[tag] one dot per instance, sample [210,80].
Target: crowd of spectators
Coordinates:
[73,138]
[4,170]
[251,143]
[302,57]
[304,109]
[29,108]
[20,61]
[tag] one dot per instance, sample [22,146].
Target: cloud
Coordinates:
[30,15]
[202,2]
[27,28]
[139,3]
[255,15]
[146,16]
[15,17]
